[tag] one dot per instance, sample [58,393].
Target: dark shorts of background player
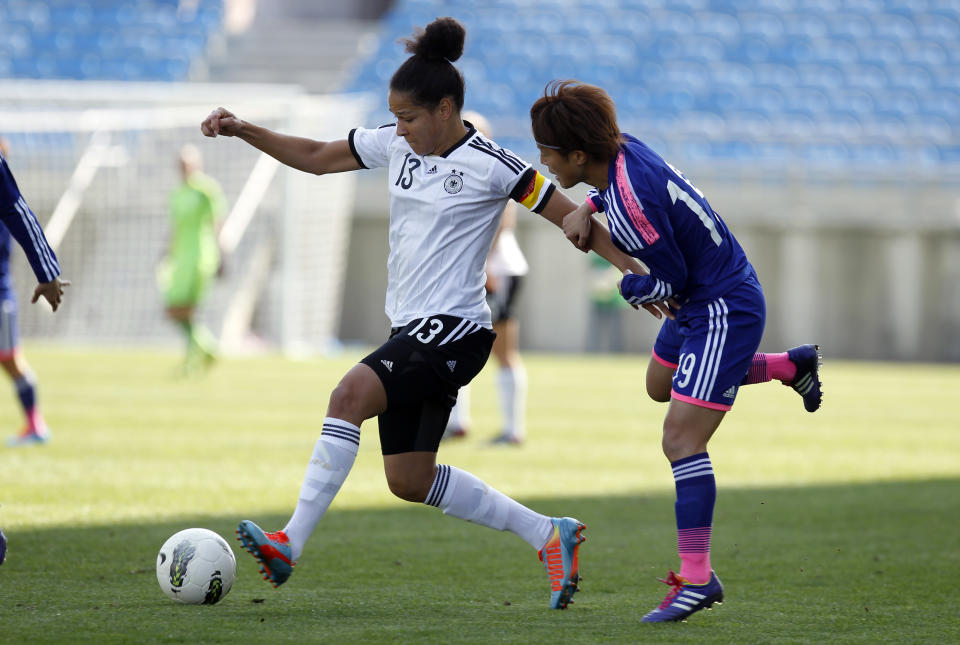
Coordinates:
[502,301]
[422,378]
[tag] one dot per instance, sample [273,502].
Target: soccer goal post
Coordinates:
[97,163]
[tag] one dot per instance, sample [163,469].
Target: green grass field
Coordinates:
[839,527]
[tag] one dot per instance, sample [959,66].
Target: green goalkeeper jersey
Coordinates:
[195,207]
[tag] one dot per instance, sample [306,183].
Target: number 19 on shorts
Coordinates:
[681,378]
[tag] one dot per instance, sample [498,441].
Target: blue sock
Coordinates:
[26,391]
[696,496]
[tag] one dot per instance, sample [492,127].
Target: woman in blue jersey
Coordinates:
[448,185]
[697,267]
[18,222]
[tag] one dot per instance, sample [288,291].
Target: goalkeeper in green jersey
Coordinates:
[196,209]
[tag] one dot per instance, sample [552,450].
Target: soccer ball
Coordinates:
[196,567]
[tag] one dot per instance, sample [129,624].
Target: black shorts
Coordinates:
[501,301]
[422,366]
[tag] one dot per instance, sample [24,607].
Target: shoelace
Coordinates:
[674,581]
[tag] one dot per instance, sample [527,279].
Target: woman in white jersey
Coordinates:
[506,266]
[448,185]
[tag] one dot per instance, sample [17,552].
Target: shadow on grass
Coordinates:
[818,564]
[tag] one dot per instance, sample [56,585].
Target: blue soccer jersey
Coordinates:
[6,284]
[24,227]
[660,218]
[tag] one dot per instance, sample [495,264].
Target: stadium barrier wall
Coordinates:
[870,269]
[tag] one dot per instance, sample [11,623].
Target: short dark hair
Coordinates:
[429,75]
[575,116]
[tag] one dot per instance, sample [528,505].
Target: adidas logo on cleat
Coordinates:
[685,599]
[804,384]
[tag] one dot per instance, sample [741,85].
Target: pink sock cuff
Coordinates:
[35,421]
[780,366]
[695,567]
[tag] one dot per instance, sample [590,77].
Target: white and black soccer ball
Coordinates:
[196,567]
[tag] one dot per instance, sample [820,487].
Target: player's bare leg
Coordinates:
[659,380]
[410,474]
[688,428]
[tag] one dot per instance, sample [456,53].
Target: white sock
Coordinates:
[460,414]
[512,383]
[332,459]
[460,494]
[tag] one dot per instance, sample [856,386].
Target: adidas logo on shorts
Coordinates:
[388,365]
[731,392]
[451,365]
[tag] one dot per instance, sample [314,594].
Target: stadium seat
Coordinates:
[105,39]
[859,79]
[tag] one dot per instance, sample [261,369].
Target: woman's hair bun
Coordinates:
[442,39]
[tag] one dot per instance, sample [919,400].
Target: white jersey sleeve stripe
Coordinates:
[43,248]
[31,231]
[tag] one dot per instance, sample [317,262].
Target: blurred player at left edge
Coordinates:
[20,223]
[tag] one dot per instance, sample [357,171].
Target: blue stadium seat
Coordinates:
[824,76]
[880,51]
[937,28]
[849,24]
[925,53]
[104,39]
[868,82]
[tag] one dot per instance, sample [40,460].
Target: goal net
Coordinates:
[97,162]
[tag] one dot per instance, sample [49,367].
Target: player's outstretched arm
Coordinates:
[51,291]
[308,155]
[597,238]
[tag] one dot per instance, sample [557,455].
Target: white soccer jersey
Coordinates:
[444,212]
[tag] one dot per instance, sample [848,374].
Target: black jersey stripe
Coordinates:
[512,163]
[353,149]
[503,153]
